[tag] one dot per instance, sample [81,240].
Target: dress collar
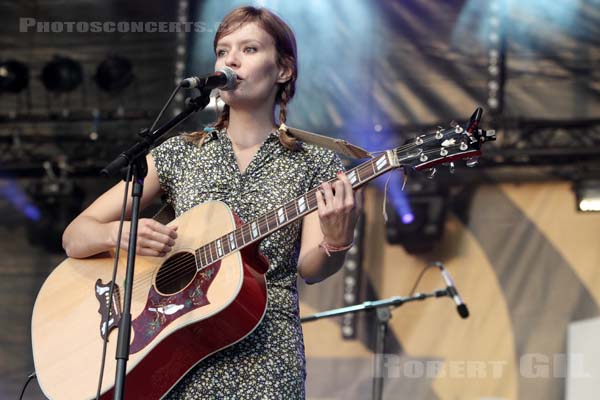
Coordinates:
[222,133]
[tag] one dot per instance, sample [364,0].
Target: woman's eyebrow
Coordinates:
[242,42]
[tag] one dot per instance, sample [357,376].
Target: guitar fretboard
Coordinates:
[289,212]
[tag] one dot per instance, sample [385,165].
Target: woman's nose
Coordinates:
[232,59]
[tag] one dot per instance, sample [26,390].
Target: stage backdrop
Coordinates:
[525,262]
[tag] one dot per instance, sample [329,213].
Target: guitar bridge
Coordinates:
[109,319]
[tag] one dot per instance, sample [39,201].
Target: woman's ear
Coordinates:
[285,74]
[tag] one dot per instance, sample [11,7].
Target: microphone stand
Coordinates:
[135,159]
[382,309]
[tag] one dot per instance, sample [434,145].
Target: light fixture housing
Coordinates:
[114,74]
[14,76]
[587,195]
[62,75]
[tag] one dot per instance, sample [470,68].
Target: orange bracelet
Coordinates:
[334,249]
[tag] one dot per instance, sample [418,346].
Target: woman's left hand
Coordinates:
[337,211]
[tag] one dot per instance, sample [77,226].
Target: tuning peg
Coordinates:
[439,133]
[451,167]
[473,161]
[431,173]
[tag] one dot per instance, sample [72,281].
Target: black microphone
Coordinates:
[461,307]
[224,79]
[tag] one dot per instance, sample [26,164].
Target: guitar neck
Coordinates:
[289,212]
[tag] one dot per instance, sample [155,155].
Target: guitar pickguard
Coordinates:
[161,310]
[114,317]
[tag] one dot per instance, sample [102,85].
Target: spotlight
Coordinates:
[62,75]
[587,194]
[114,74]
[14,76]
[419,229]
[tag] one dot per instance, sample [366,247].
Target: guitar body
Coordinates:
[176,323]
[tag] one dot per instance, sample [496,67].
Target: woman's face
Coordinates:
[250,52]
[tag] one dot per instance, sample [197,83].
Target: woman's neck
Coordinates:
[247,129]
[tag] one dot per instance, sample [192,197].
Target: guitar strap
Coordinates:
[339,146]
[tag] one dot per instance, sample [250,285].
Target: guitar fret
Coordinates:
[219,248]
[213,254]
[291,210]
[312,199]
[224,240]
[203,259]
[264,224]
[203,256]
[246,234]
[199,257]
[301,204]
[362,174]
[232,244]
[254,229]
[381,162]
[239,237]
[205,252]
[353,177]
[281,217]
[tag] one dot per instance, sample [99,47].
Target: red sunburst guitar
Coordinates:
[207,294]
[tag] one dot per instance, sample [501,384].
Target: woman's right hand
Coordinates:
[153,239]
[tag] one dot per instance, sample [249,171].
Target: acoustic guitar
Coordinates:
[208,293]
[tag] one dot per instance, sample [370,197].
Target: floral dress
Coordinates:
[269,363]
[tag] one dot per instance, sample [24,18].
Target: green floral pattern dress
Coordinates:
[269,363]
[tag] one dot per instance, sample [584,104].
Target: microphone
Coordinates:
[224,79]
[461,307]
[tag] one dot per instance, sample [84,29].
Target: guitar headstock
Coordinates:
[446,145]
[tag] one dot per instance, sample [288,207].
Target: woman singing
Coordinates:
[246,162]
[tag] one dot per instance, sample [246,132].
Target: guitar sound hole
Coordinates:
[176,273]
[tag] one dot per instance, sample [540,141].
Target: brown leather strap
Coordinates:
[338,145]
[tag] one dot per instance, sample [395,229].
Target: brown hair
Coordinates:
[285,46]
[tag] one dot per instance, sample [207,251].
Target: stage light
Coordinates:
[587,194]
[14,76]
[419,223]
[408,218]
[114,74]
[12,192]
[62,75]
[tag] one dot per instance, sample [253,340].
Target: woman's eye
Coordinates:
[220,53]
[250,49]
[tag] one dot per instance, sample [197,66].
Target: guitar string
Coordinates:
[178,269]
[182,264]
[175,269]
